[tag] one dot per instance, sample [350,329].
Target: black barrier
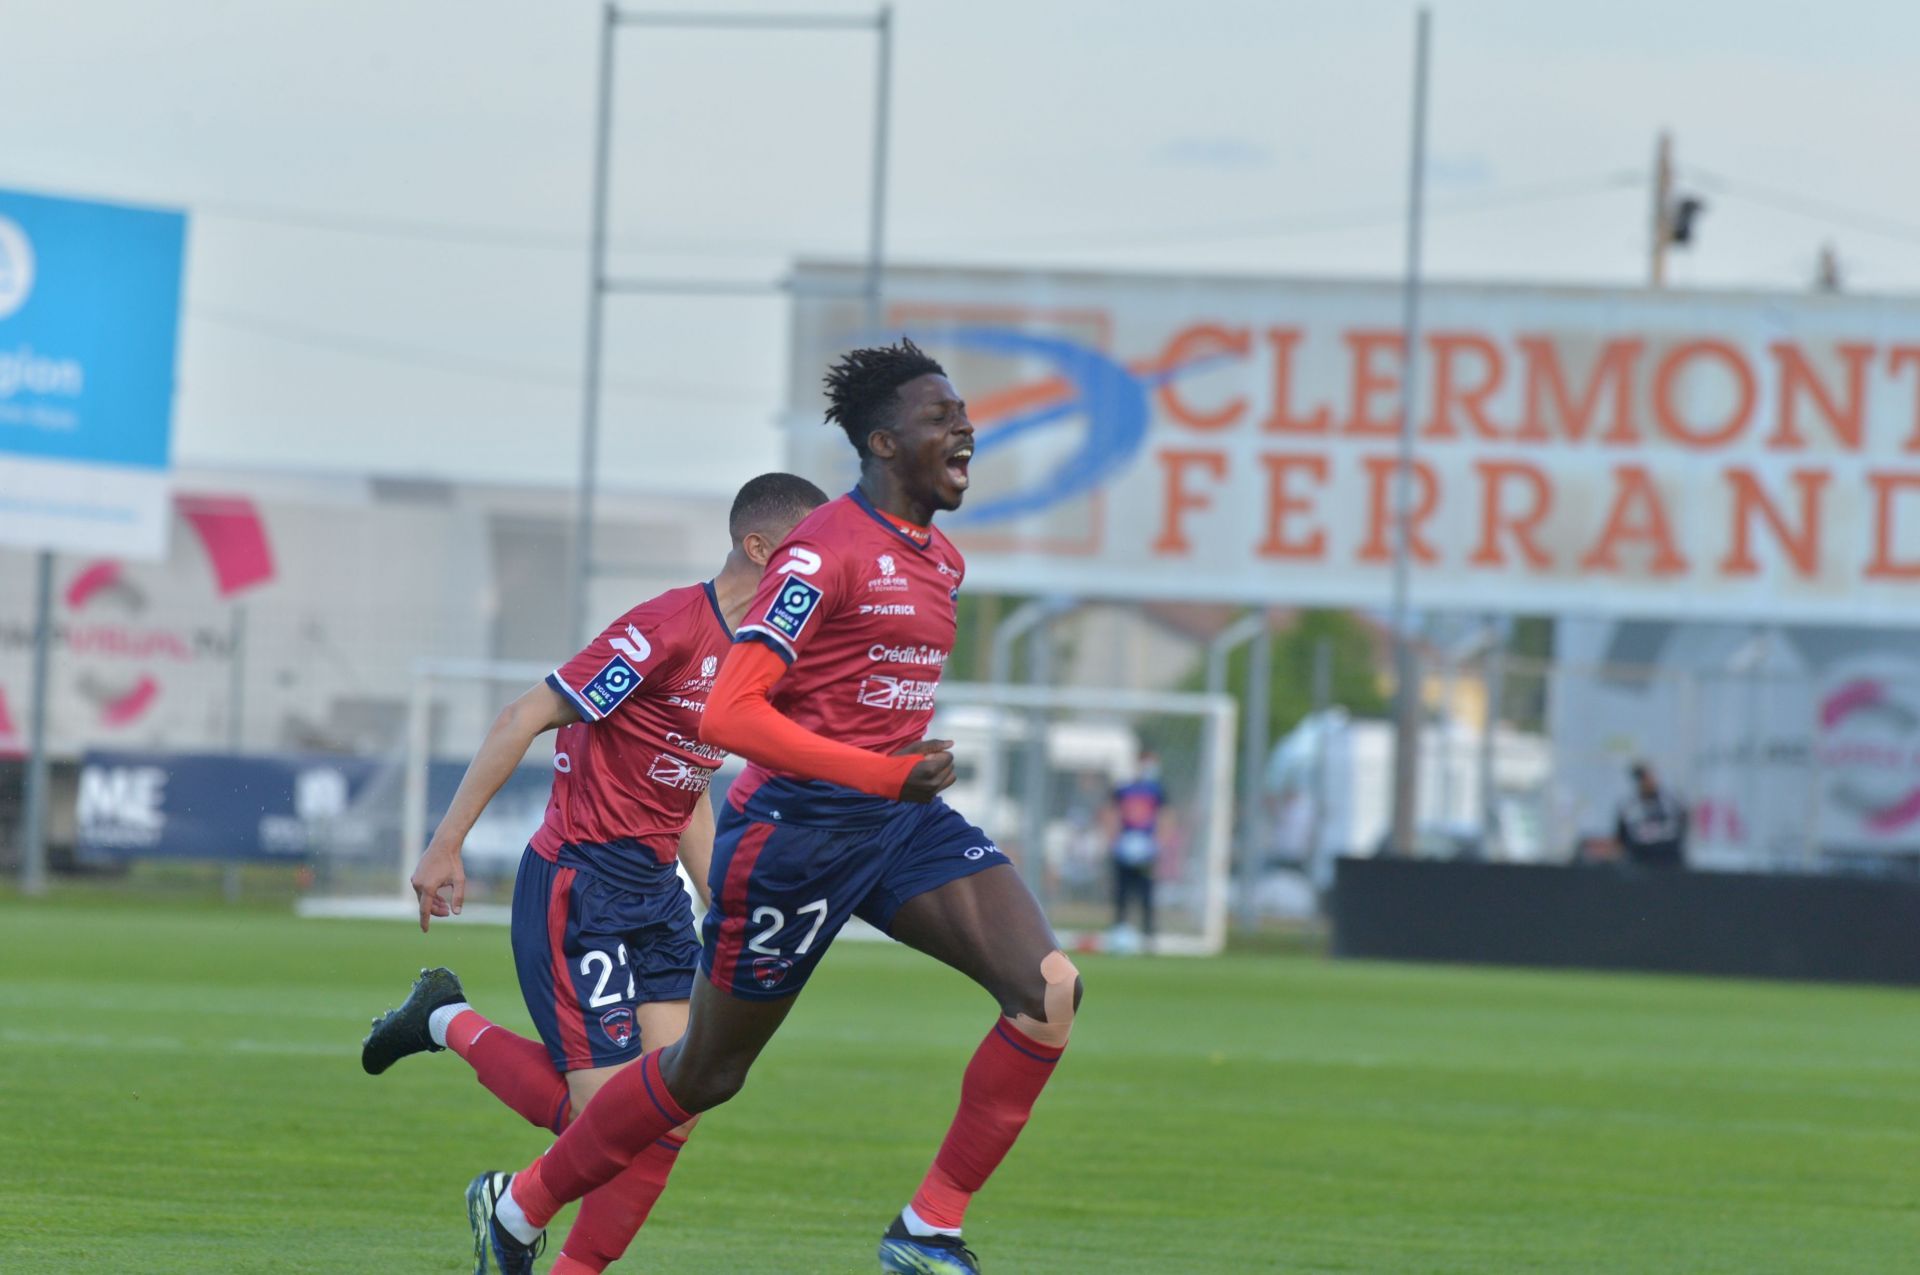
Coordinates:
[1845,929]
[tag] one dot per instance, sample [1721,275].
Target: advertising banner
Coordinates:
[281,807]
[1674,455]
[1792,746]
[89,307]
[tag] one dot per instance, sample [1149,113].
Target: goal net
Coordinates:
[363,859]
[1038,769]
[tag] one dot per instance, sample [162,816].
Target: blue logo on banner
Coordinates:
[793,608]
[89,306]
[610,685]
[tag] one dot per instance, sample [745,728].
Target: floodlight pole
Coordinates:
[1662,224]
[877,211]
[596,313]
[600,285]
[1406,674]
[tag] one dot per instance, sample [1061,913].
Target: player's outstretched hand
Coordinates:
[439,868]
[934,771]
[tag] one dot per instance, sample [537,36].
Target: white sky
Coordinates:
[390,196]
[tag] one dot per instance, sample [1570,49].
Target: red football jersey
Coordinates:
[862,609]
[628,775]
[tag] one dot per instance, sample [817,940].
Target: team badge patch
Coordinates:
[792,608]
[771,971]
[618,1025]
[610,685]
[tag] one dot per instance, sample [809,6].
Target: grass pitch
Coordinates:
[180,1091]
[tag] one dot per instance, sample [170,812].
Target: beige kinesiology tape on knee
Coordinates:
[1059,975]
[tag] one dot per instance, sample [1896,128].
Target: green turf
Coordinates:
[180,1091]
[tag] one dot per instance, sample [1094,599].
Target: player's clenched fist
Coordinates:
[439,868]
[933,772]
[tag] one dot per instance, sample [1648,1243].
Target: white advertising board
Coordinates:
[1676,455]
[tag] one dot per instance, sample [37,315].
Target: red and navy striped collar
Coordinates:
[719,616]
[919,537]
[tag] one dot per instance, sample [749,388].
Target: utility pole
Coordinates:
[1827,277]
[1662,228]
[1407,710]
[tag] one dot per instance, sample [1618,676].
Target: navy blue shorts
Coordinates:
[588,952]
[782,888]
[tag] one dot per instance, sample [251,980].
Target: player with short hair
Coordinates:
[603,935]
[827,691]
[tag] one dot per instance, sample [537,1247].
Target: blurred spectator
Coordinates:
[1651,824]
[1136,821]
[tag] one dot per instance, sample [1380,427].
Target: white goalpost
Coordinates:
[1037,768]
[449,705]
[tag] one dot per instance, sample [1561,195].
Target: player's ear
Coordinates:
[759,548]
[882,444]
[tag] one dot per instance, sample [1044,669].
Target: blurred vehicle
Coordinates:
[1329,792]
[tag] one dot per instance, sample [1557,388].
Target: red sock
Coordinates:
[631,1112]
[997,1094]
[514,1069]
[611,1215]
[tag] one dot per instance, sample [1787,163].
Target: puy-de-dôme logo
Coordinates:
[104,612]
[1871,746]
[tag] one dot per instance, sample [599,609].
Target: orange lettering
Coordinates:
[1847,419]
[1368,381]
[1897,355]
[1884,567]
[1382,479]
[1521,526]
[1666,411]
[1281,503]
[1635,492]
[1544,375]
[1202,341]
[1447,346]
[1173,537]
[1282,420]
[1749,498]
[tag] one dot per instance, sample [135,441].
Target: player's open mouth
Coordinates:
[957,466]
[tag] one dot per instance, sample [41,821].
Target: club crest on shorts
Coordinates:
[771,971]
[618,1025]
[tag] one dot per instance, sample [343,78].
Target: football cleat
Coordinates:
[903,1252]
[403,1031]
[492,1241]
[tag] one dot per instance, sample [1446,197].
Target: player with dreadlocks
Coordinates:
[827,691]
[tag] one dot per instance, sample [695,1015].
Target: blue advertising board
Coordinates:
[89,316]
[283,807]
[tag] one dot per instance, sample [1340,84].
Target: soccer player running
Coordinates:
[603,935]
[827,690]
